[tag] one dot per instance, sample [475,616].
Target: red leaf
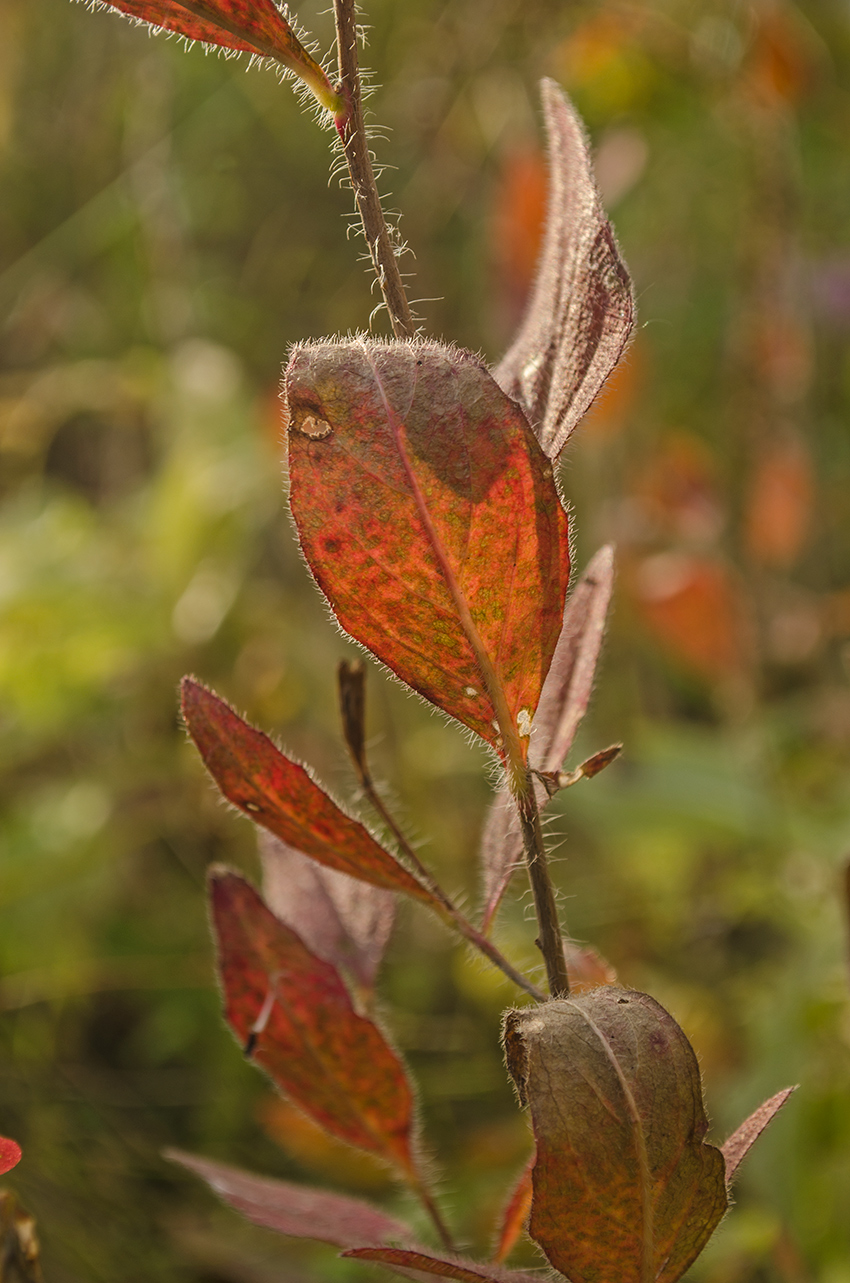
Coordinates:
[582,308]
[431,521]
[515,1217]
[292,1009]
[563,703]
[295,1209]
[346,922]
[252,26]
[403,1261]
[10,1154]
[738,1145]
[280,795]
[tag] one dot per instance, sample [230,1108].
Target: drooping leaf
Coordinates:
[279,794]
[405,1261]
[250,26]
[515,1215]
[344,921]
[582,310]
[563,704]
[10,1154]
[296,1210]
[625,1186]
[740,1142]
[431,521]
[292,1012]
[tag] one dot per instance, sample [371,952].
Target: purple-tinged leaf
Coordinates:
[563,703]
[295,1209]
[344,921]
[582,307]
[739,1143]
[413,1262]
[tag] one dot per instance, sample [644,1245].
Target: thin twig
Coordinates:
[353,134]
[427,1200]
[351,678]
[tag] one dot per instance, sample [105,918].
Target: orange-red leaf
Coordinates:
[515,1216]
[10,1154]
[280,795]
[405,1261]
[563,704]
[293,1012]
[625,1187]
[430,519]
[295,1209]
[582,308]
[779,505]
[344,921]
[739,1143]
[697,609]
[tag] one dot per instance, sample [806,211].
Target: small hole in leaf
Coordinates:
[623,1001]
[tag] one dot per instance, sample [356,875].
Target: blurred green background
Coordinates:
[166,230]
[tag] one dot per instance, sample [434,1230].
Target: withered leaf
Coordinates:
[582,307]
[344,921]
[430,519]
[625,1186]
[296,1210]
[738,1145]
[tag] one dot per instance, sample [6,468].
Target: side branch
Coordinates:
[353,134]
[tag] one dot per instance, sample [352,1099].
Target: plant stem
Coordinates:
[356,147]
[550,940]
[427,1200]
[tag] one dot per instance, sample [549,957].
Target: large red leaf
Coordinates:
[739,1143]
[280,795]
[430,519]
[251,26]
[563,704]
[625,1186]
[295,1209]
[344,921]
[405,1261]
[295,1014]
[582,308]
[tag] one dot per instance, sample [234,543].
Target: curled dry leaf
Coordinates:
[415,1262]
[430,520]
[625,1186]
[296,1209]
[515,1215]
[249,26]
[582,307]
[292,1011]
[563,704]
[279,794]
[740,1142]
[344,921]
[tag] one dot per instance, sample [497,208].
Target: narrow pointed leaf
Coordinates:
[10,1154]
[293,1012]
[296,1209]
[430,520]
[625,1187]
[563,703]
[581,311]
[515,1216]
[739,1143]
[251,26]
[280,795]
[405,1260]
[344,921]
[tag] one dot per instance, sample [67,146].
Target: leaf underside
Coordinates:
[430,520]
[582,310]
[625,1186]
[251,26]
[333,1063]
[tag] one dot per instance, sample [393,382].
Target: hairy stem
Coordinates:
[353,134]
[550,941]
[427,1201]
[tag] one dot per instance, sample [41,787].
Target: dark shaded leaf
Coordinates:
[739,1143]
[280,795]
[344,921]
[291,1010]
[431,521]
[625,1187]
[295,1209]
[582,307]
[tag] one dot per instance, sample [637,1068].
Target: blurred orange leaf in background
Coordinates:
[696,608]
[779,506]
